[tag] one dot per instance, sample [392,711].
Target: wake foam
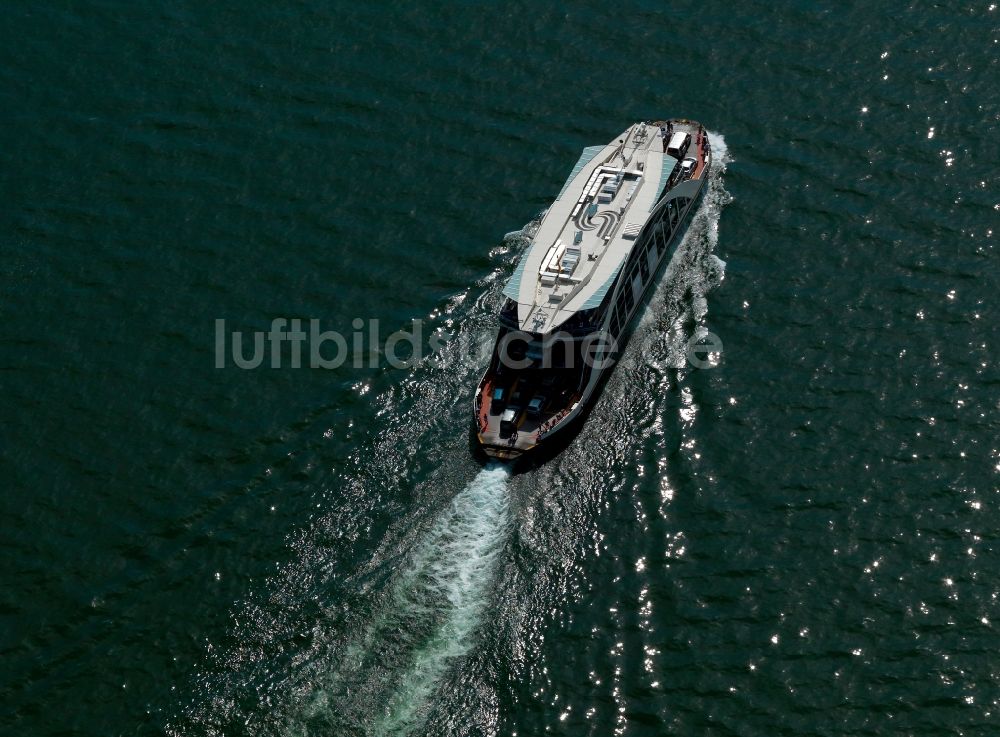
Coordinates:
[383,680]
[454,565]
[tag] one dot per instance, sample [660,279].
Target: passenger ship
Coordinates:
[578,285]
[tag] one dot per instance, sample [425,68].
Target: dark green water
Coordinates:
[802,540]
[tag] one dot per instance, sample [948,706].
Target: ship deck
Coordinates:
[560,401]
[589,230]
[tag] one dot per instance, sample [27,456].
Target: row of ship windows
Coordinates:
[641,261]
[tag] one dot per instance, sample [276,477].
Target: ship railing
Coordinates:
[481,411]
[552,422]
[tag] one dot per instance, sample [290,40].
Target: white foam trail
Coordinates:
[716,197]
[453,567]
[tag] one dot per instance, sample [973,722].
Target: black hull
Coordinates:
[549,447]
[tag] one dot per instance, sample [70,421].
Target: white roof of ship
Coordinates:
[588,232]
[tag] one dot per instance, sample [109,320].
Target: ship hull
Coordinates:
[629,297]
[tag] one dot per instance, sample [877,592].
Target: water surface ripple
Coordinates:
[796,541]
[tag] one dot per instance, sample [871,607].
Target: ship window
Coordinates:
[629,301]
[644,265]
[605,306]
